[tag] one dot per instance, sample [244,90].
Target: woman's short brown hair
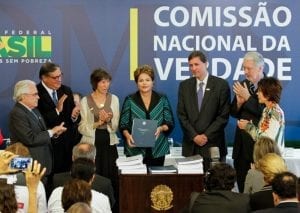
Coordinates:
[76,190]
[271,88]
[97,75]
[143,69]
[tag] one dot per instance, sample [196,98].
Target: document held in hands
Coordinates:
[143,132]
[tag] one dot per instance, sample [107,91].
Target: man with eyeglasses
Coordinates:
[26,125]
[245,105]
[56,104]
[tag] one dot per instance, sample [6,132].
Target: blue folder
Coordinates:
[143,131]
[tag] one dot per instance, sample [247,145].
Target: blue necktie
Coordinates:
[200,94]
[54,97]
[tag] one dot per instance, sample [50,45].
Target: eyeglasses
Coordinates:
[56,77]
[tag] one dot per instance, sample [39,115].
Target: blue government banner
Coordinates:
[119,35]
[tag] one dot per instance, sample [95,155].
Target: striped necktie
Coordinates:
[54,97]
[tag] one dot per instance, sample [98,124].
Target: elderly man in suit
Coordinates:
[203,110]
[245,105]
[56,104]
[27,126]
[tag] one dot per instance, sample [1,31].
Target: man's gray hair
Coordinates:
[21,88]
[84,150]
[256,57]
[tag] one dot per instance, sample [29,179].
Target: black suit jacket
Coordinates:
[221,201]
[100,184]
[212,118]
[31,131]
[262,199]
[288,207]
[62,146]
[251,110]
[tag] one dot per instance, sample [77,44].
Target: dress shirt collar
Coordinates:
[204,82]
[48,89]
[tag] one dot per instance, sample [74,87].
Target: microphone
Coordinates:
[214,154]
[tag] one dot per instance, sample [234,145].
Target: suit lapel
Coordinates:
[37,118]
[40,119]
[43,93]
[193,95]
[208,91]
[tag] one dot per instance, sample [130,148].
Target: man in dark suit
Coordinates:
[284,187]
[203,119]
[218,196]
[56,104]
[245,105]
[100,183]
[27,126]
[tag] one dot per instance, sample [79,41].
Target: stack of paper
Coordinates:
[131,165]
[162,169]
[190,165]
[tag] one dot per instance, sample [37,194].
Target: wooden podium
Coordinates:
[157,192]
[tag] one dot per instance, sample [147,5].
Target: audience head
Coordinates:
[97,76]
[79,207]
[263,146]
[8,202]
[253,65]
[220,177]
[26,92]
[270,165]
[84,150]
[144,69]
[284,186]
[270,88]
[74,191]
[51,75]
[83,169]
[18,149]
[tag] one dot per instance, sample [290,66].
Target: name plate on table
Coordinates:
[143,131]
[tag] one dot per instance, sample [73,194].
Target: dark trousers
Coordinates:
[241,166]
[149,160]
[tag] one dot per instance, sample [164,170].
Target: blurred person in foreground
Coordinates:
[255,179]
[284,187]
[79,207]
[245,105]
[76,190]
[217,196]
[8,201]
[33,175]
[147,104]
[19,182]
[270,165]
[100,183]
[83,169]
[203,110]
